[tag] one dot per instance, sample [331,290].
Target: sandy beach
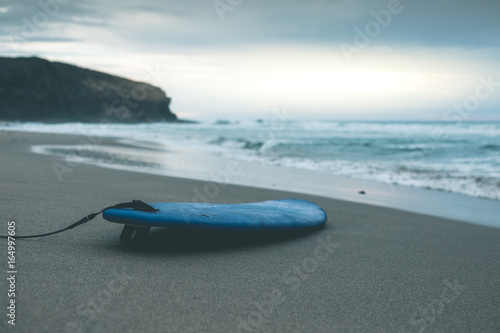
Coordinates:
[370,269]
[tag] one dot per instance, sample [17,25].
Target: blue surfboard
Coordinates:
[275,215]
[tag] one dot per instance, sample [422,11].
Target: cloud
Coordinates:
[426,54]
[196,23]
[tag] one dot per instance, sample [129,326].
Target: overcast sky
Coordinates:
[337,59]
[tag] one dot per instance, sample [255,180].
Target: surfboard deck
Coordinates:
[283,214]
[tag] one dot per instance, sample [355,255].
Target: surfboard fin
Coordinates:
[129,230]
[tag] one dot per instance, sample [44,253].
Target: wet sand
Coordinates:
[370,269]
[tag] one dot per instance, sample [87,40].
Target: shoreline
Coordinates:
[174,161]
[389,152]
[370,269]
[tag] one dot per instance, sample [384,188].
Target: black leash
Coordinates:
[135,205]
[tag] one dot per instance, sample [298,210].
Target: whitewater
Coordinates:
[453,157]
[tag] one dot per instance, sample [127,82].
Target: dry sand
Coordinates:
[370,269]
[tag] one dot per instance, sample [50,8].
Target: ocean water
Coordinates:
[454,157]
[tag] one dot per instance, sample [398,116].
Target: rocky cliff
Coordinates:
[34,89]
